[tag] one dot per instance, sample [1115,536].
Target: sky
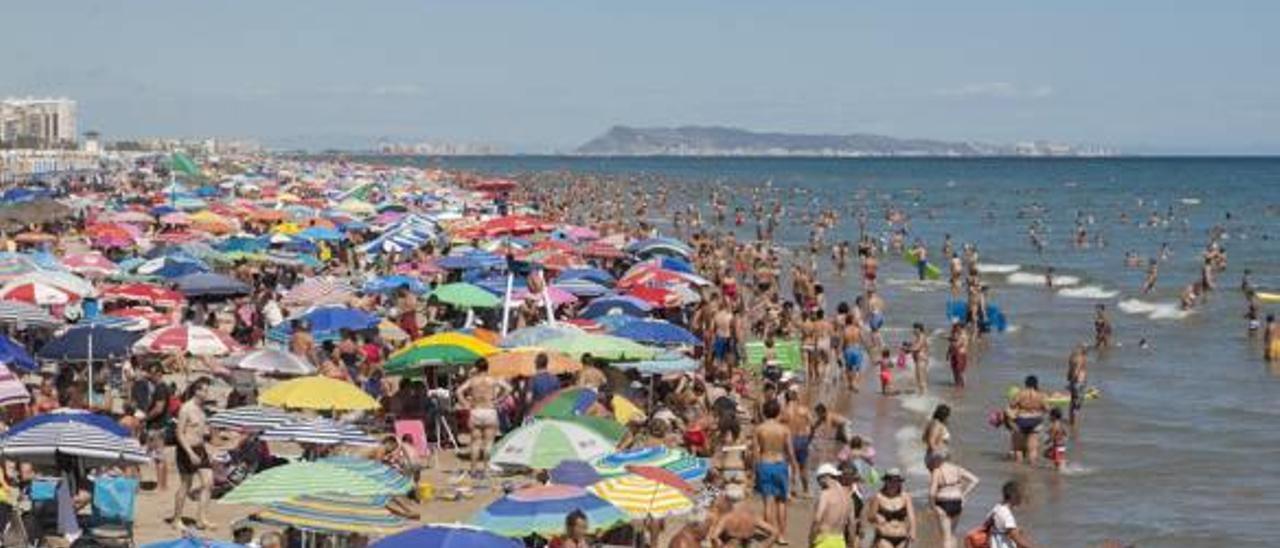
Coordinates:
[1143,76]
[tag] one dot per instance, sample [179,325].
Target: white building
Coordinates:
[37,123]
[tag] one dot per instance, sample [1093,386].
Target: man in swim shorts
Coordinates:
[775,461]
[851,343]
[480,394]
[800,423]
[831,517]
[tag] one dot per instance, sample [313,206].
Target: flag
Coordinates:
[181,162]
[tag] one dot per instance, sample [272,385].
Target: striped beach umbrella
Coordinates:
[643,497]
[186,339]
[677,461]
[319,291]
[307,478]
[12,391]
[606,347]
[531,336]
[319,431]
[541,510]
[26,315]
[252,418]
[548,442]
[92,264]
[444,535]
[374,470]
[332,513]
[663,364]
[36,293]
[146,293]
[88,436]
[65,281]
[276,362]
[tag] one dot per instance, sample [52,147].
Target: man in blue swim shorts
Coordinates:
[851,342]
[776,459]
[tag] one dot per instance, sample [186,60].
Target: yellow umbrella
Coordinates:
[320,393]
[287,228]
[357,207]
[624,411]
[642,497]
[519,362]
[463,340]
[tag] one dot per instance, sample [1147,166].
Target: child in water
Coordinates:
[885,363]
[1056,440]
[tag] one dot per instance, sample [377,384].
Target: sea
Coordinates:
[1182,448]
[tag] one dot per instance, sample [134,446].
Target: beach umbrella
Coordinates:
[564,402]
[545,443]
[327,234]
[541,510]
[642,497]
[412,358]
[658,297]
[465,295]
[171,266]
[454,338]
[15,355]
[618,304]
[531,336]
[276,362]
[656,332]
[319,291]
[12,391]
[149,317]
[580,287]
[89,343]
[574,472]
[187,339]
[521,362]
[661,246]
[210,285]
[440,535]
[335,513]
[300,478]
[192,542]
[75,433]
[606,347]
[145,293]
[327,322]
[676,461]
[36,293]
[374,470]
[392,333]
[392,284]
[558,296]
[610,428]
[13,265]
[250,418]
[65,281]
[319,431]
[319,393]
[90,264]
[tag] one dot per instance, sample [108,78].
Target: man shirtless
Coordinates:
[192,456]
[1077,376]
[481,394]
[831,517]
[800,425]
[851,344]
[775,461]
[722,325]
[735,524]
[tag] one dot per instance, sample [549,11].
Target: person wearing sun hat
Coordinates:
[891,513]
[831,517]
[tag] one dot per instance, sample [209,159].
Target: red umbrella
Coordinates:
[603,251]
[38,294]
[657,296]
[495,185]
[662,475]
[649,275]
[153,317]
[187,339]
[514,225]
[146,293]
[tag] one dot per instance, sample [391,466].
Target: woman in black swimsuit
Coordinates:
[891,514]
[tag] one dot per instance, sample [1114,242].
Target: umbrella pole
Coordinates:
[89,389]
[506,300]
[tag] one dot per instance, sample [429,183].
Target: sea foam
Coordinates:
[1028,278]
[1088,292]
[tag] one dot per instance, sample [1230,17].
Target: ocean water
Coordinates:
[1183,447]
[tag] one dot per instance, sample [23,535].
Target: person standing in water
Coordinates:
[1077,376]
[1153,270]
[1101,327]
[1027,412]
[949,485]
[958,353]
[851,342]
[919,349]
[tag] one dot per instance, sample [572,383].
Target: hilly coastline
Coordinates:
[726,141]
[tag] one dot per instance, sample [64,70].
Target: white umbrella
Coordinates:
[275,361]
[320,431]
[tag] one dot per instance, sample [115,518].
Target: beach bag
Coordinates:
[980,536]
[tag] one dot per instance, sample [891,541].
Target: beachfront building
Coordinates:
[31,123]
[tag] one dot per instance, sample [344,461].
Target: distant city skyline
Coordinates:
[1139,76]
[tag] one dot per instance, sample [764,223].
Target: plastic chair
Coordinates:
[114,498]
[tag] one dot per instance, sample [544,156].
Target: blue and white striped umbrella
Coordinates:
[79,434]
[26,315]
[581,287]
[320,431]
[663,364]
[253,417]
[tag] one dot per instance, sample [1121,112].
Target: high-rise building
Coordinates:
[37,123]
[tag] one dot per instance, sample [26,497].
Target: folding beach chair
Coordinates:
[416,431]
[111,522]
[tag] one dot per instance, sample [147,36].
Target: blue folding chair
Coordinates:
[111,521]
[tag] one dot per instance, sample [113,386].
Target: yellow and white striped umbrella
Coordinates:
[643,497]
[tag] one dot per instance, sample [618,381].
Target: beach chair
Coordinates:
[416,431]
[111,521]
[790,358]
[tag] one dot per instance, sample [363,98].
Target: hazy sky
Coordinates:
[1143,75]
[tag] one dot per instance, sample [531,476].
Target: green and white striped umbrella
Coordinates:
[547,442]
[310,478]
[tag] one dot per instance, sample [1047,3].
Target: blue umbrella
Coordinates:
[656,332]
[675,264]
[75,433]
[663,364]
[661,246]
[580,287]
[457,262]
[596,275]
[621,304]
[192,542]
[391,284]
[89,343]
[575,472]
[15,356]
[172,266]
[438,535]
[211,285]
[242,244]
[327,322]
[321,233]
[102,422]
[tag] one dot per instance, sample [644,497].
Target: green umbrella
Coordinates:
[606,427]
[465,295]
[309,478]
[606,347]
[414,358]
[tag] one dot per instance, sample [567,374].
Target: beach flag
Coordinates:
[182,162]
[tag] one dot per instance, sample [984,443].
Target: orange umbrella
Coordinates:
[519,362]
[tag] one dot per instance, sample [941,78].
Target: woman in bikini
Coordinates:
[891,514]
[1026,412]
[949,485]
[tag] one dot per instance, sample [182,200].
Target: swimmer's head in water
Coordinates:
[1032,382]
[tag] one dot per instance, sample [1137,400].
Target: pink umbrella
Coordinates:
[89,264]
[176,218]
[12,391]
[187,339]
[558,296]
[579,233]
[153,317]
